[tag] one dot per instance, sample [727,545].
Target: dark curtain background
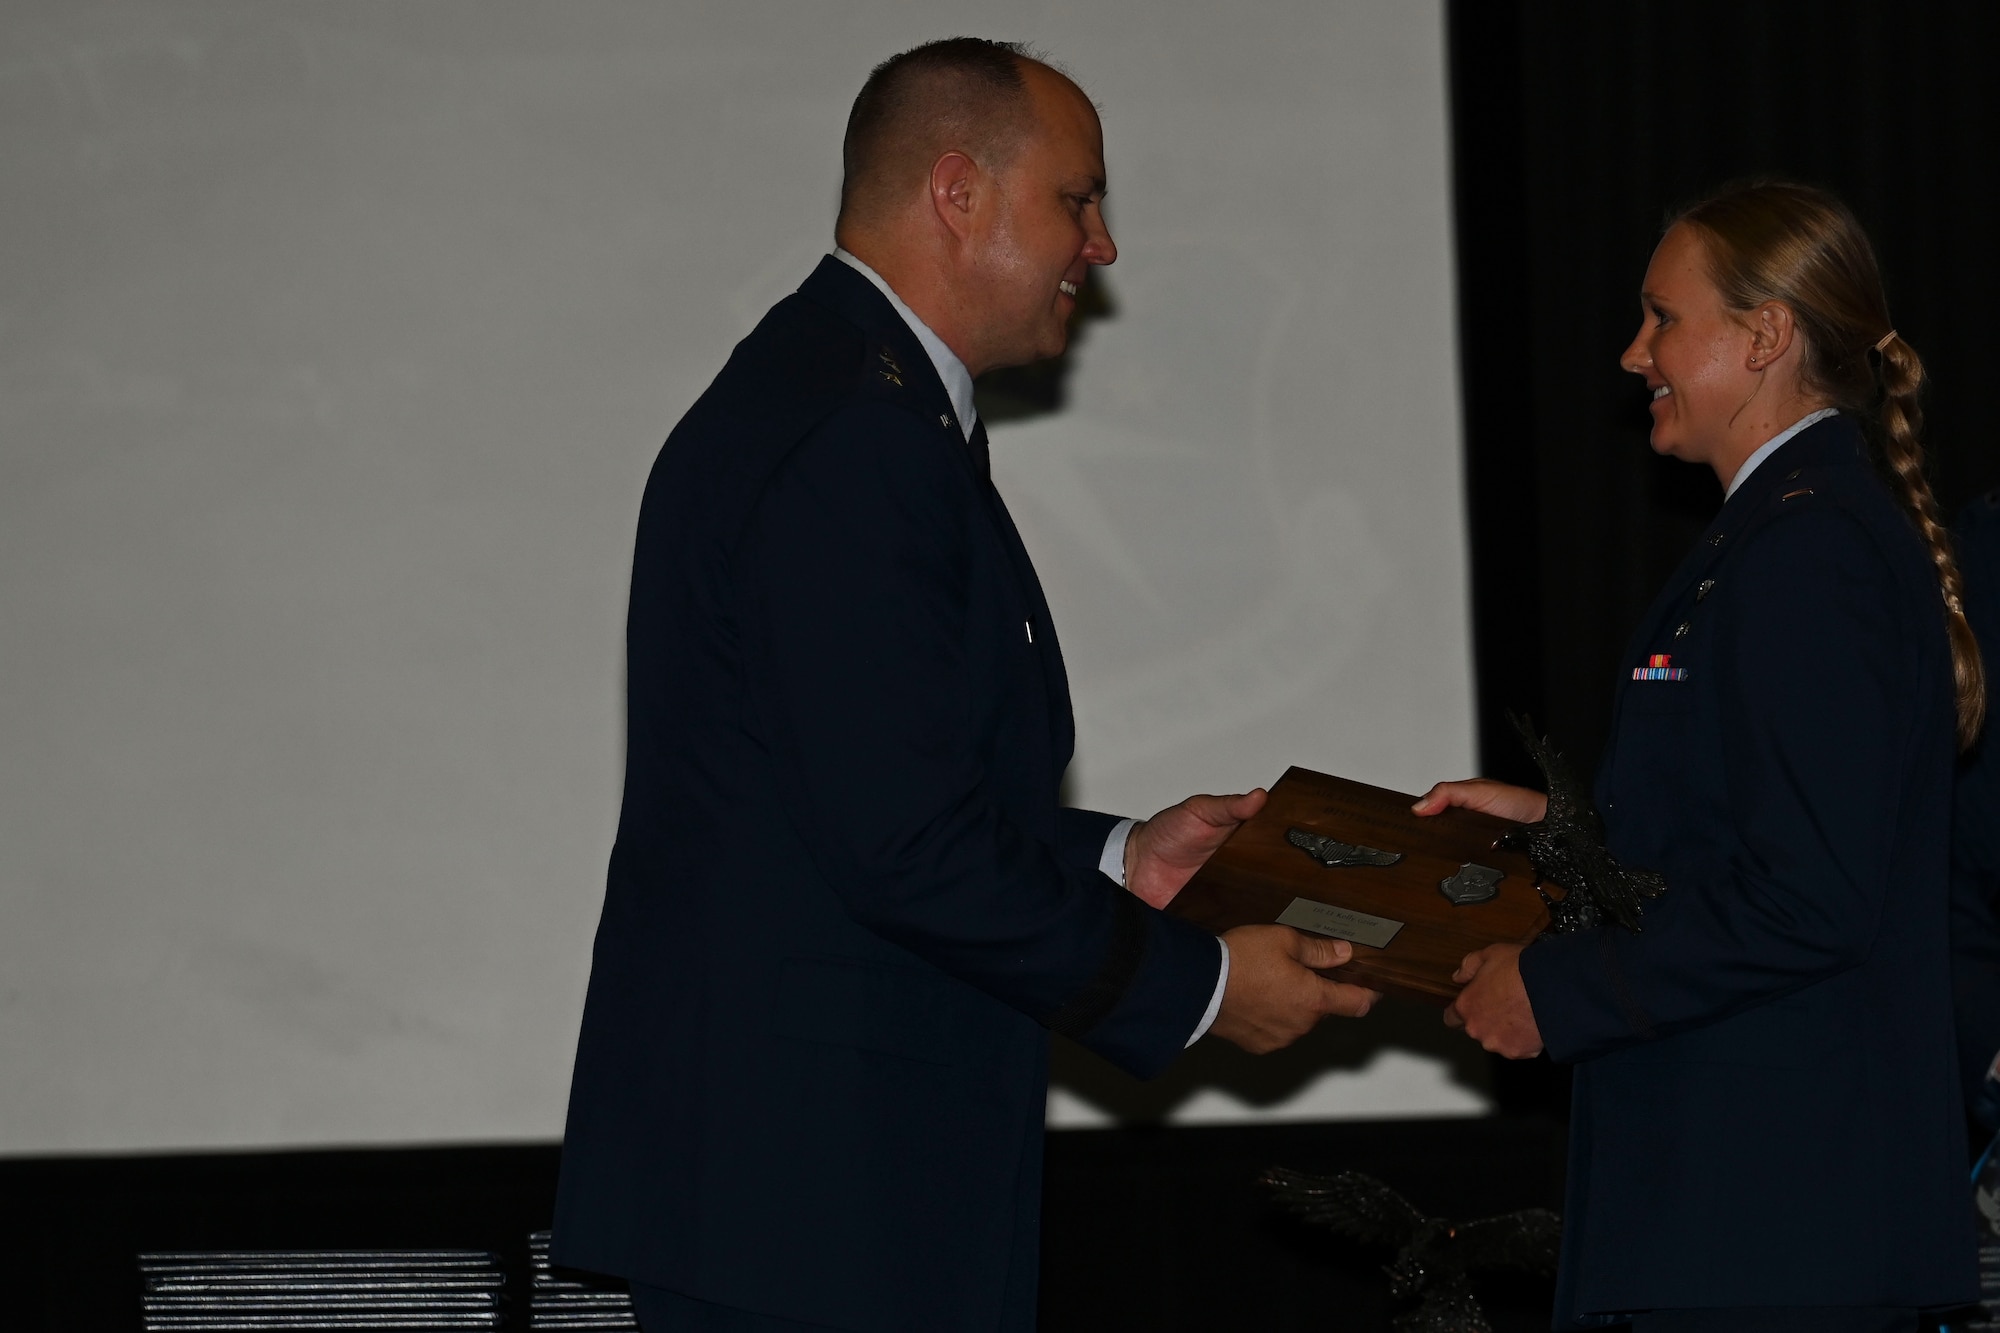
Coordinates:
[1577,127]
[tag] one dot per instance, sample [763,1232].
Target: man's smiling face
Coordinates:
[1047,228]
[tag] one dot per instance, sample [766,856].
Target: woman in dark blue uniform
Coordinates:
[1767,1132]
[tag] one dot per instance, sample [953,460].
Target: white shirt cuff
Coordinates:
[1112,863]
[1215,1000]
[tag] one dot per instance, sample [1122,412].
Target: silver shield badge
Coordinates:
[1472,884]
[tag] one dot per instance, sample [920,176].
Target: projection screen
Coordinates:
[335,343]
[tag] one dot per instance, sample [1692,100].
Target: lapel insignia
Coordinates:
[1660,666]
[889,370]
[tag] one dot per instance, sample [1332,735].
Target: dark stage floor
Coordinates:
[1147,1229]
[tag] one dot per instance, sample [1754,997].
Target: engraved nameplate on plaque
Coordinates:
[1342,923]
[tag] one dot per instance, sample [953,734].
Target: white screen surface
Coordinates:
[336,342]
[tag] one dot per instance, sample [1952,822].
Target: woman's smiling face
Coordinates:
[1693,352]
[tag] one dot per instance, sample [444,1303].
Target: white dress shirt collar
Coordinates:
[957,380]
[1770,446]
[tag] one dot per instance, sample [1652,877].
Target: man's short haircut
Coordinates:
[963,93]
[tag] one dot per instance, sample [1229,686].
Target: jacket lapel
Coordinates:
[1830,441]
[1048,651]
[851,296]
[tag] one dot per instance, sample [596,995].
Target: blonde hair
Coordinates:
[1778,241]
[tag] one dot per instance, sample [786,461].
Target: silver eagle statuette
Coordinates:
[1566,846]
[1333,853]
[1436,1259]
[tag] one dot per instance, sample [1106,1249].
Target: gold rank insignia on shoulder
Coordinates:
[1660,666]
[890,370]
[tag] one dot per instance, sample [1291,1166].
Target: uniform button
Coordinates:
[1681,631]
[1707,587]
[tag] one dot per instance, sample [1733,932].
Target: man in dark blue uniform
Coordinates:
[845,905]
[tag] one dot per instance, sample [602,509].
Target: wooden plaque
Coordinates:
[1408,935]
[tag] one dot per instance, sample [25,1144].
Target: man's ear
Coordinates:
[1771,329]
[957,187]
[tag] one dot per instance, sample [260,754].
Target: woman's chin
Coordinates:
[1670,443]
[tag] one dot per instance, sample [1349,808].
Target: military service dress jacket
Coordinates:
[1975,828]
[1766,1106]
[844,903]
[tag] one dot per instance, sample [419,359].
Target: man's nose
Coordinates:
[1098,247]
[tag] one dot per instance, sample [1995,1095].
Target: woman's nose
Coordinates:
[1637,356]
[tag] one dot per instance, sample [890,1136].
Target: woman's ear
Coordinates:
[1771,329]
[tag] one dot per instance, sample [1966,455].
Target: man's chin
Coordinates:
[1054,343]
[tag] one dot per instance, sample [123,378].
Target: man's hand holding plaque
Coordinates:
[1162,853]
[1275,992]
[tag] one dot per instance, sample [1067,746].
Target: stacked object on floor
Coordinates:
[575,1301]
[1988,1318]
[322,1289]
